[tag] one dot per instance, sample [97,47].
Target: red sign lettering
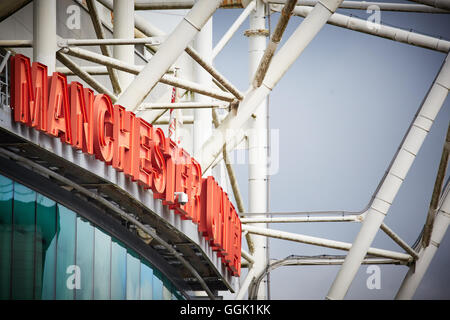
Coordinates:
[117,137]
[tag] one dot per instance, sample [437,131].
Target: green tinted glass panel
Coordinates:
[133,276]
[6,201]
[65,254]
[146,282]
[85,259]
[102,265]
[118,271]
[157,285]
[23,242]
[45,248]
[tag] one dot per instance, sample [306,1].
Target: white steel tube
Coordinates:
[321,242]
[124,29]
[282,60]
[275,39]
[165,120]
[302,219]
[179,4]
[195,87]
[92,70]
[98,27]
[417,271]
[233,181]
[232,30]
[257,142]
[205,63]
[202,118]
[380,30]
[391,183]
[363,5]
[108,204]
[440,176]
[167,54]
[44,33]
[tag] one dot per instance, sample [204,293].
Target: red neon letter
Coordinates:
[103,128]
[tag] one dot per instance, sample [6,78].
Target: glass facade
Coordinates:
[48,251]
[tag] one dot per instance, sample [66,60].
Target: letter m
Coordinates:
[29,92]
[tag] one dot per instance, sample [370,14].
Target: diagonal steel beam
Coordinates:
[234,27]
[234,183]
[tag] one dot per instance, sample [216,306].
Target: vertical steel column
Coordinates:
[257,143]
[418,270]
[44,33]
[202,127]
[124,29]
[391,183]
